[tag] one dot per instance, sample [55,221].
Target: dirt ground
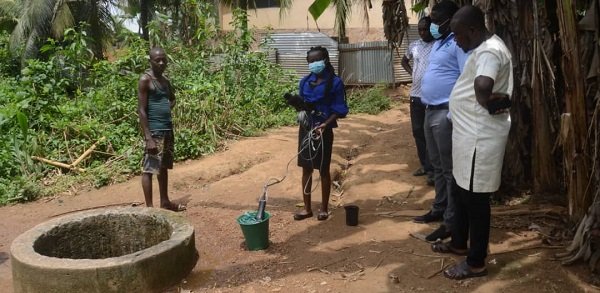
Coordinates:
[374,157]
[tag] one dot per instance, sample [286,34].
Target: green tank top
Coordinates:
[159,108]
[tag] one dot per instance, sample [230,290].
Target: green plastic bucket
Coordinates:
[256,234]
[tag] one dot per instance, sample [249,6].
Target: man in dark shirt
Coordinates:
[156,98]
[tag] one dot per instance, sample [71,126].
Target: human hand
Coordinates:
[319,129]
[151,146]
[295,101]
[498,104]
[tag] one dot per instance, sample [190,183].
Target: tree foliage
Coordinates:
[38,20]
[58,106]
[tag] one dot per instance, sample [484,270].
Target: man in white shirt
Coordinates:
[418,51]
[479,107]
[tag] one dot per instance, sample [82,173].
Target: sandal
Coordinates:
[447,248]
[175,207]
[463,271]
[300,217]
[322,216]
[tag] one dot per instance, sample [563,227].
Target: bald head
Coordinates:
[470,16]
[468,26]
[158,60]
[157,51]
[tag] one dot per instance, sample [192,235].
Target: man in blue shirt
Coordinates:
[445,65]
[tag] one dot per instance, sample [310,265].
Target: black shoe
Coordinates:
[430,181]
[427,218]
[419,172]
[440,234]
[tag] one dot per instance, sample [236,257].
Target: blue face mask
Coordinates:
[434,29]
[317,66]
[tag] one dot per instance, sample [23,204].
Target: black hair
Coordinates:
[325,53]
[425,19]
[446,7]
[328,66]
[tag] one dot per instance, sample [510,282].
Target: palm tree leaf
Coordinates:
[342,13]
[318,7]
[284,8]
[62,19]
[365,5]
[9,9]
[30,48]
[34,21]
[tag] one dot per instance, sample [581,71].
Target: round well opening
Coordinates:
[103,236]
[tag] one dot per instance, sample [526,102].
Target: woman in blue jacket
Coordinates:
[324,92]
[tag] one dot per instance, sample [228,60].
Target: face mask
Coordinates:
[434,29]
[317,66]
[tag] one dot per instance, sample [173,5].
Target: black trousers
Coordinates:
[417,120]
[472,222]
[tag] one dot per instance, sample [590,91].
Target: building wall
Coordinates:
[298,18]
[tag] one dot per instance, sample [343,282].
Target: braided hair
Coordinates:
[328,67]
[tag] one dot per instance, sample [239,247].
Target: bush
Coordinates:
[57,108]
[372,100]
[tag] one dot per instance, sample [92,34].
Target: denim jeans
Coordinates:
[438,135]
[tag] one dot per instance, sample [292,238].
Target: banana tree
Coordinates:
[343,10]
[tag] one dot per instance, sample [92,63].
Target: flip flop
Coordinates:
[463,271]
[322,216]
[447,248]
[300,217]
[175,207]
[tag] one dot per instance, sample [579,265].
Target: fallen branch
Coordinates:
[378,264]
[410,192]
[528,248]
[442,268]
[58,164]
[87,152]
[524,211]
[353,276]
[418,254]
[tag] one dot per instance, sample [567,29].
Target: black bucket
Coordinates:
[351,215]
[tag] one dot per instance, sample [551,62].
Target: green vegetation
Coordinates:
[66,99]
[370,100]
[57,107]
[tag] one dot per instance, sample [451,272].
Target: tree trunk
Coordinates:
[582,137]
[145,17]
[576,166]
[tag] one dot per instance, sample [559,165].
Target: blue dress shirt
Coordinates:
[446,62]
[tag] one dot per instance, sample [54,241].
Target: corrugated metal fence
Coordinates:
[366,63]
[358,64]
[291,49]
